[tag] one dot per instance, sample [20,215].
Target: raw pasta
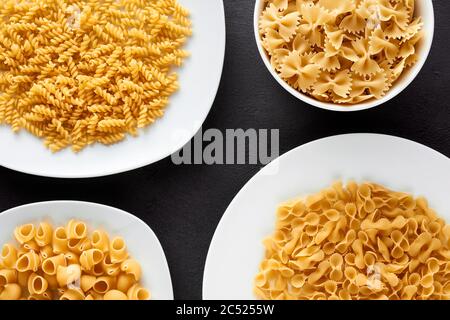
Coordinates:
[47,266]
[356,242]
[340,51]
[78,72]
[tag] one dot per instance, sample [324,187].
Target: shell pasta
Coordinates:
[68,263]
[359,241]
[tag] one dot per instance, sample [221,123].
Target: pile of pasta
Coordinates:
[356,242]
[79,72]
[66,263]
[341,51]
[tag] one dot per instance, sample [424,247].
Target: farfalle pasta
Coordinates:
[46,266]
[358,241]
[340,51]
[79,72]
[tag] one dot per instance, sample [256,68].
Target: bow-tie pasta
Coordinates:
[340,51]
[356,242]
[79,72]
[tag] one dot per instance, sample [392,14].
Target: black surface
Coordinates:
[183,204]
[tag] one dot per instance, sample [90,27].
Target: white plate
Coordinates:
[188,108]
[236,249]
[142,243]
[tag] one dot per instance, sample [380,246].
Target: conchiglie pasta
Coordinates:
[69,263]
[359,241]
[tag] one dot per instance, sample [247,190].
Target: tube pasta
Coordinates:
[68,263]
[90,258]
[7,276]
[103,284]
[24,233]
[50,265]
[136,292]
[131,267]
[118,250]
[68,275]
[125,282]
[100,241]
[37,285]
[9,256]
[355,242]
[59,240]
[44,234]
[115,295]
[76,230]
[72,294]
[11,292]
[28,262]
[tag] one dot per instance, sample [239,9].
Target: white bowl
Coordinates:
[142,243]
[424,8]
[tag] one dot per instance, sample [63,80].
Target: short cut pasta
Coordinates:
[79,72]
[359,241]
[341,51]
[68,263]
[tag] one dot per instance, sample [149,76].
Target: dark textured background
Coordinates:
[183,204]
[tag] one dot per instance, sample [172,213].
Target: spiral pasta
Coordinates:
[356,242]
[79,72]
[68,263]
[341,51]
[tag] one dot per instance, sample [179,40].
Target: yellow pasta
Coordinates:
[44,234]
[24,233]
[68,263]
[90,258]
[131,267]
[115,295]
[76,230]
[79,72]
[9,256]
[68,276]
[136,292]
[37,285]
[118,250]
[340,51]
[100,240]
[356,242]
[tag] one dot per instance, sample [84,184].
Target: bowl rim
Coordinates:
[392,92]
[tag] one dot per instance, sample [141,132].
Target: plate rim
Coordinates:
[140,164]
[103,206]
[284,155]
